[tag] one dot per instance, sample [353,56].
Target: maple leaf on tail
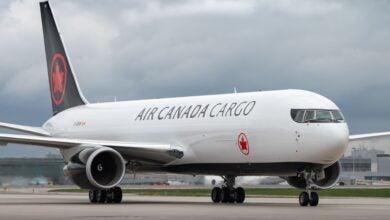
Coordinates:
[58,78]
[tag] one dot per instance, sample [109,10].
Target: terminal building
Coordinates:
[365,166]
[32,171]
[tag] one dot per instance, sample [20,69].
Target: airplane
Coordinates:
[294,134]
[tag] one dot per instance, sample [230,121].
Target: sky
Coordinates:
[140,49]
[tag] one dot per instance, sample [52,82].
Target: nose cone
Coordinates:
[335,142]
[325,143]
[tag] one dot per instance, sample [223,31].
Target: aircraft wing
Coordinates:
[26,129]
[369,136]
[154,152]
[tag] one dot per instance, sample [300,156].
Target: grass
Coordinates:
[255,192]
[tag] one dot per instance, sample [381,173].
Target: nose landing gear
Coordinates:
[228,193]
[308,197]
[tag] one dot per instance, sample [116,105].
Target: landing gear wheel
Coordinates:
[303,199]
[113,195]
[232,196]
[101,196]
[93,196]
[314,199]
[110,196]
[228,193]
[216,194]
[117,194]
[240,195]
[225,195]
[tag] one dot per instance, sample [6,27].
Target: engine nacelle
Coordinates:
[324,179]
[101,168]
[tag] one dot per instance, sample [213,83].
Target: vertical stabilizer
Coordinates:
[64,89]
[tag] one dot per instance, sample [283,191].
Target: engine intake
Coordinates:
[101,168]
[324,179]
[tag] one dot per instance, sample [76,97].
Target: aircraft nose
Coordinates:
[335,142]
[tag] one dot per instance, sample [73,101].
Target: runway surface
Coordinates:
[76,206]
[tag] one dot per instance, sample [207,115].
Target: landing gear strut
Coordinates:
[227,193]
[308,197]
[113,195]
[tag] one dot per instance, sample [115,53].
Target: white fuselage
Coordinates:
[207,127]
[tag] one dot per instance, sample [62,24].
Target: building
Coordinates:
[162,179]
[365,166]
[31,171]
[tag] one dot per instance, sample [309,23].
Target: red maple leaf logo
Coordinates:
[243,143]
[58,78]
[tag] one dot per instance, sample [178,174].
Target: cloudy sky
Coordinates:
[152,49]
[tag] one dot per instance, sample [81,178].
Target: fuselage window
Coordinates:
[316,116]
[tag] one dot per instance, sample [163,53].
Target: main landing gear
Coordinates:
[308,197]
[227,193]
[113,195]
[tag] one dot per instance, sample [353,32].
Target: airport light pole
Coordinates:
[353,166]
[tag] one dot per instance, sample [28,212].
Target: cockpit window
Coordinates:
[337,115]
[323,115]
[309,115]
[299,116]
[316,116]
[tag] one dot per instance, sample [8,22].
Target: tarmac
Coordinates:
[40,205]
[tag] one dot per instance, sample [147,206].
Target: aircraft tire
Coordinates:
[232,195]
[225,194]
[101,196]
[110,196]
[117,194]
[303,199]
[240,195]
[314,199]
[216,194]
[92,195]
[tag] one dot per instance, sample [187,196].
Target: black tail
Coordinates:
[64,89]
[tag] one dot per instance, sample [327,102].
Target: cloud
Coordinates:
[153,49]
[157,10]
[302,8]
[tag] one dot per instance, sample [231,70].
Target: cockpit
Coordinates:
[317,116]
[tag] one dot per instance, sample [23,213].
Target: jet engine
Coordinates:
[96,168]
[322,179]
